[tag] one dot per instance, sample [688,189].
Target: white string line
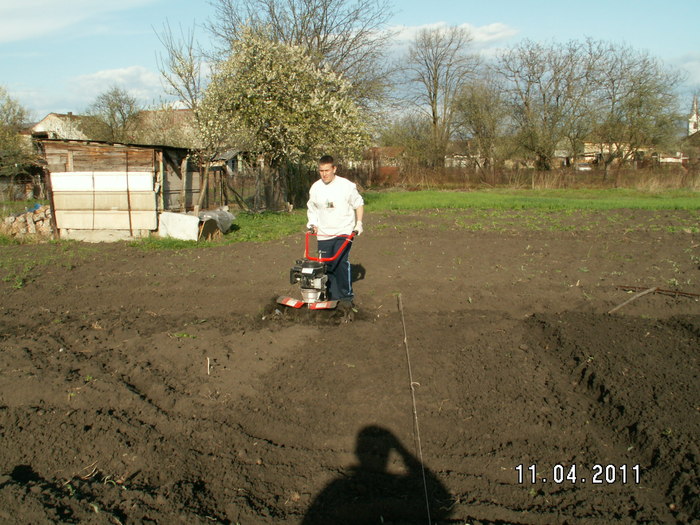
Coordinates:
[416,428]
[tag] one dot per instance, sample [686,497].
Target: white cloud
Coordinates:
[492,33]
[36,101]
[481,35]
[690,63]
[32,19]
[140,82]
[77,93]
[486,40]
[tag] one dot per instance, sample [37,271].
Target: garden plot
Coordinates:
[164,386]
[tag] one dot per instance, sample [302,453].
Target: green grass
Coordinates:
[267,226]
[155,243]
[248,227]
[488,205]
[534,199]
[6,240]
[20,267]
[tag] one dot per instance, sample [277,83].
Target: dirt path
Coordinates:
[164,387]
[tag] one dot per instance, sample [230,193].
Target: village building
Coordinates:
[59,126]
[381,163]
[110,191]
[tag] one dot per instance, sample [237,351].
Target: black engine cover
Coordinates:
[305,270]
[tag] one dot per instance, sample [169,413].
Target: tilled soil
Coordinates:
[481,377]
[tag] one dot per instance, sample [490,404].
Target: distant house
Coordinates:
[595,153]
[108,191]
[458,155]
[677,158]
[229,161]
[59,126]
[174,127]
[382,163]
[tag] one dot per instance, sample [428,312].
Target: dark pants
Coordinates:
[338,271]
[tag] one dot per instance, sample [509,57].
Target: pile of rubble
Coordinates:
[35,222]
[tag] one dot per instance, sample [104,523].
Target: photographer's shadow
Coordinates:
[370,494]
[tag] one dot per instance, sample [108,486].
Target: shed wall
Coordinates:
[76,156]
[103,186]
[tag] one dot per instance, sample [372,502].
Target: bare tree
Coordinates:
[183,65]
[437,66]
[167,126]
[547,89]
[482,118]
[410,131]
[113,116]
[636,105]
[349,36]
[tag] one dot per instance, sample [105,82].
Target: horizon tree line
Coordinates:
[288,79]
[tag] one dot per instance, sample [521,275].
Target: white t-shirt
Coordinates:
[332,206]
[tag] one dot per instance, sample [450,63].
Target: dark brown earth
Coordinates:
[110,414]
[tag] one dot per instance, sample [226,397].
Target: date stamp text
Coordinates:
[575,474]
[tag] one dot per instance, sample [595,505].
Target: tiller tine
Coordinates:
[290,301]
[323,305]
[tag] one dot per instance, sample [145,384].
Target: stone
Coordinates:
[17,228]
[45,228]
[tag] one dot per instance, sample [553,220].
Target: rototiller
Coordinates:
[310,273]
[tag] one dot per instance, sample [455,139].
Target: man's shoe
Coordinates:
[346,310]
[346,304]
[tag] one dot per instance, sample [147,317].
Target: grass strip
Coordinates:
[269,226]
[248,227]
[533,199]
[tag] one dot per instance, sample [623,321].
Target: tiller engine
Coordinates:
[310,274]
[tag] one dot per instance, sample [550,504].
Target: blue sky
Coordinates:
[58,55]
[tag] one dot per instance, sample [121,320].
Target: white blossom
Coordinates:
[291,108]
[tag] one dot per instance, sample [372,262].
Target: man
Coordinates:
[335,208]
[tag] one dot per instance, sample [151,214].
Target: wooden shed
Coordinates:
[104,191]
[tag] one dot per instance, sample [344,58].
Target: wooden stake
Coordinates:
[635,296]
